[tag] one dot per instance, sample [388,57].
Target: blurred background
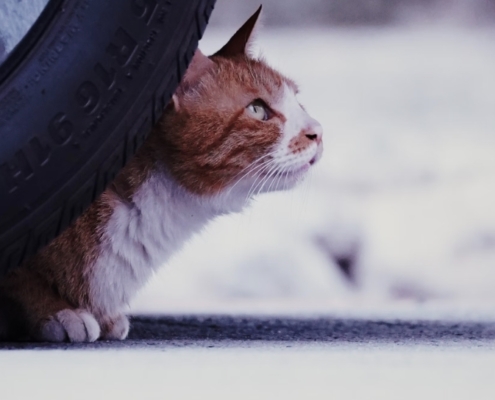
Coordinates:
[355,13]
[399,216]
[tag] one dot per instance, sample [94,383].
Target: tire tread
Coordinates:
[16,249]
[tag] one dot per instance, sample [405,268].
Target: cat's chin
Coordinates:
[287,179]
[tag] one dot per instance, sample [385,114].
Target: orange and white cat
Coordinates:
[233,129]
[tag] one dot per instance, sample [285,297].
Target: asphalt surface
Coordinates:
[213,331]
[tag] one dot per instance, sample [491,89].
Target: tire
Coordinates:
[78,97]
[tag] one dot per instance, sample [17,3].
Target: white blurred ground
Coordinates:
[268,372]
[407,181]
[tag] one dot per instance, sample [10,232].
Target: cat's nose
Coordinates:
[314,132]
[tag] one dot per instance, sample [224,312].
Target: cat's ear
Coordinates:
[239,43]
[199,65]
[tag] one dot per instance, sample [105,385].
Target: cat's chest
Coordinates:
[140,237]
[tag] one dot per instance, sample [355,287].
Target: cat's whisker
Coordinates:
[264,182]
[253,166]
[255,177]
[263,174]
[257,180]
[282,183]
[257,190]
[275,180]
[283,177]
[280,175]
[250,169]
[273,172]
[256,163]
[268,176]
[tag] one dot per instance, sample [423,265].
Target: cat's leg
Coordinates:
[44,315]
[115,328]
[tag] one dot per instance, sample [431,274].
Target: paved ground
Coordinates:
[224,357]
[205,331]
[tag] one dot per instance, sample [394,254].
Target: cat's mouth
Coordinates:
[314,159]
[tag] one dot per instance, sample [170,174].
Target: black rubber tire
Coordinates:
[77,99]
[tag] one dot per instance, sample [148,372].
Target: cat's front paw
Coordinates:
[116,328]
[68,325]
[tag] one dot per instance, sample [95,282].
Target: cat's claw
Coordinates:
[68,325]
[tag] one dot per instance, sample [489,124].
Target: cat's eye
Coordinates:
[258,110]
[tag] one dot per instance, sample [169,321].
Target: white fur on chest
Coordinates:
[141,236]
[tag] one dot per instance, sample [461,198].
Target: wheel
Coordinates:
[78,96]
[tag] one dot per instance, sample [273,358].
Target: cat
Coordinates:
[233,128]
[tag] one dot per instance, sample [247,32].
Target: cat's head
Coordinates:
[235,124]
